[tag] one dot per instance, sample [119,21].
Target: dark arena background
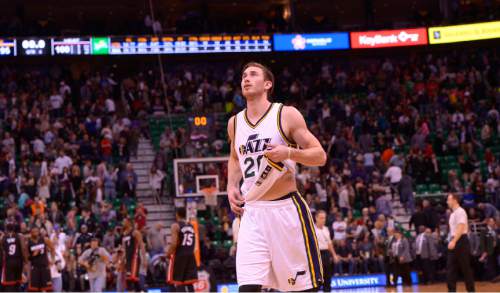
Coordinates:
[113,115]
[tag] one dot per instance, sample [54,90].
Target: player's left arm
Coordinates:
[26,257]
[311,152]
[24,249]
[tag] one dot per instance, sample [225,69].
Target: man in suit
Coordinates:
[129,187]
[389,259]
[418,218]
[431,217]
[402,255]
[426,253]
[489,248]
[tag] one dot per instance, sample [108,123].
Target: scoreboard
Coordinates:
[33,46]
[201,126]
[134,45]
[189,44]
[8,47]
[71,46]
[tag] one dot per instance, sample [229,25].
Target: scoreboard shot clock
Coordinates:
[34,46]
[201,126]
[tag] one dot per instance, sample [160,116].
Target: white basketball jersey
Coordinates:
[251,141]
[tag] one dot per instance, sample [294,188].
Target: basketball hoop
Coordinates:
[210,194]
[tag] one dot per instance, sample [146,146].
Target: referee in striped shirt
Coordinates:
[458,247]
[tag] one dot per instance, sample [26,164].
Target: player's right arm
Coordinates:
[174,231]
[234,173]
[25,253]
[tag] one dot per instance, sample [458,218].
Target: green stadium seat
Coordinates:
[227,244]
[421,188]
[434,188]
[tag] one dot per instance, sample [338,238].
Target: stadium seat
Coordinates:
[227,244]
[434,188]
[421,188]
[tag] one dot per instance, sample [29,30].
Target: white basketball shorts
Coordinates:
[277,246]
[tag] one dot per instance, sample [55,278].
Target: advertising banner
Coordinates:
[389,38]
[465,32]
[310,42]
[344,282]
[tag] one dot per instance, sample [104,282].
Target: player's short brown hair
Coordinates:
[268,74]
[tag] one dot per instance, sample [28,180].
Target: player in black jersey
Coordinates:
[14,258]
[39,249]
[182,272]
[132,243]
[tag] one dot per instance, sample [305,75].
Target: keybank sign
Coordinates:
[311,42]
[347,282]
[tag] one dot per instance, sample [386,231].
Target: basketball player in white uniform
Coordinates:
[277,245]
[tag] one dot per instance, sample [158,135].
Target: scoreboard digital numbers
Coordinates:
[189,44]
[71,46]
[8,47]
[33,47]
[201,126]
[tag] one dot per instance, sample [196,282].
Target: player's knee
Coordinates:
[250,288]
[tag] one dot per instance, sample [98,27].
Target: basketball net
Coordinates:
[210,194]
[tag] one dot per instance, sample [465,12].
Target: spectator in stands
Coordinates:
[82,239]
[406,197]
[383,205]
[339,228]
[156,182]
[426,252]
[369,262]
[95,260]
[489,246]
[355,257]
[431,218]
[402,257]
[128,187]
[344,258]
[156,239]
[344,196]
[385,245]
[141,214]
[62,162]
[489,211]
[394,175]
